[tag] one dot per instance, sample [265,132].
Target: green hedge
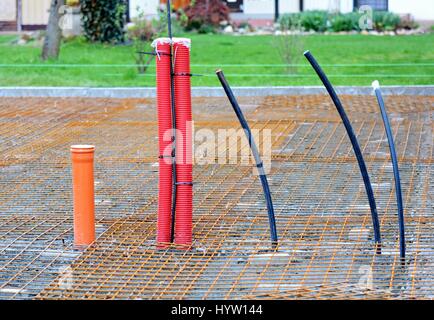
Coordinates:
[345,22]
[386,21]
[321,21]
[314,20]
[103,20]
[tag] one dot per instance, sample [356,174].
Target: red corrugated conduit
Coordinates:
[184,166]
[164,138]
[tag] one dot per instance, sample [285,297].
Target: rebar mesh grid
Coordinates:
[326,249]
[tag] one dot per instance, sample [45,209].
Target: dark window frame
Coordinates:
[240,3]
[356,4]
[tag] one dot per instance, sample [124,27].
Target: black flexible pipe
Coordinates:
[354,142]
[255,152]
[394,158]
[172,98]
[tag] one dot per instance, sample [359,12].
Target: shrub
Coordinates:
[385,21]
[290,49]
[345,22]
[290,21]
[245,25]
[290,46]
[206,29]
[181,18]
[142,31]
[314,20]
[407,22]
[320,21]
[179,22]
[205,15]
[103,20]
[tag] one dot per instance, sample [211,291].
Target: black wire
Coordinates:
[172,96]
[395,173]
[169,19]
[355,144]
[255,152]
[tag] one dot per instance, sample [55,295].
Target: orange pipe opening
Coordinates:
[83,193]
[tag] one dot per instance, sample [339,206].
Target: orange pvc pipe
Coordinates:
[83,193]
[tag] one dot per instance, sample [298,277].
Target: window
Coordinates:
[379,5]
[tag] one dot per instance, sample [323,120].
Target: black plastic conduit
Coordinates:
[376,86]
[172,98]
[255,152]
[356,147]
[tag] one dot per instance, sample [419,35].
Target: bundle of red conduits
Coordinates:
[184,197]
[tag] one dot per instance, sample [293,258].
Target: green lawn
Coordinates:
[246,60]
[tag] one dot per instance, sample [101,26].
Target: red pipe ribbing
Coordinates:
[184,166]
[162,47]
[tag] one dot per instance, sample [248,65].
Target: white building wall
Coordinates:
[35,12]
[331,5]
[258,7]
[8,10]
[147,6]
[267,6]
[419,9]
[346,6]
[290,6]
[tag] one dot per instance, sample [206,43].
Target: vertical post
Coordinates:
[173,110]
[276,10]
[19,15]
[83,194]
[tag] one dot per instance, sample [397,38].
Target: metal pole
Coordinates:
[19,15]
[386,122]
[255,152]
[356,147]
[276,10]
[172,96]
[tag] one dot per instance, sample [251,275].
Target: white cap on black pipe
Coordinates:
[376,85]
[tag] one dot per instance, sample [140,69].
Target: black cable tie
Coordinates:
[148,53]
[260,165]
[165,156]
[184,183]
[185,74]
[155,53]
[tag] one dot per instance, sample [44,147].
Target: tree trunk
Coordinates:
[54,32]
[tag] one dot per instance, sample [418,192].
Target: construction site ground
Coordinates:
[326,248]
